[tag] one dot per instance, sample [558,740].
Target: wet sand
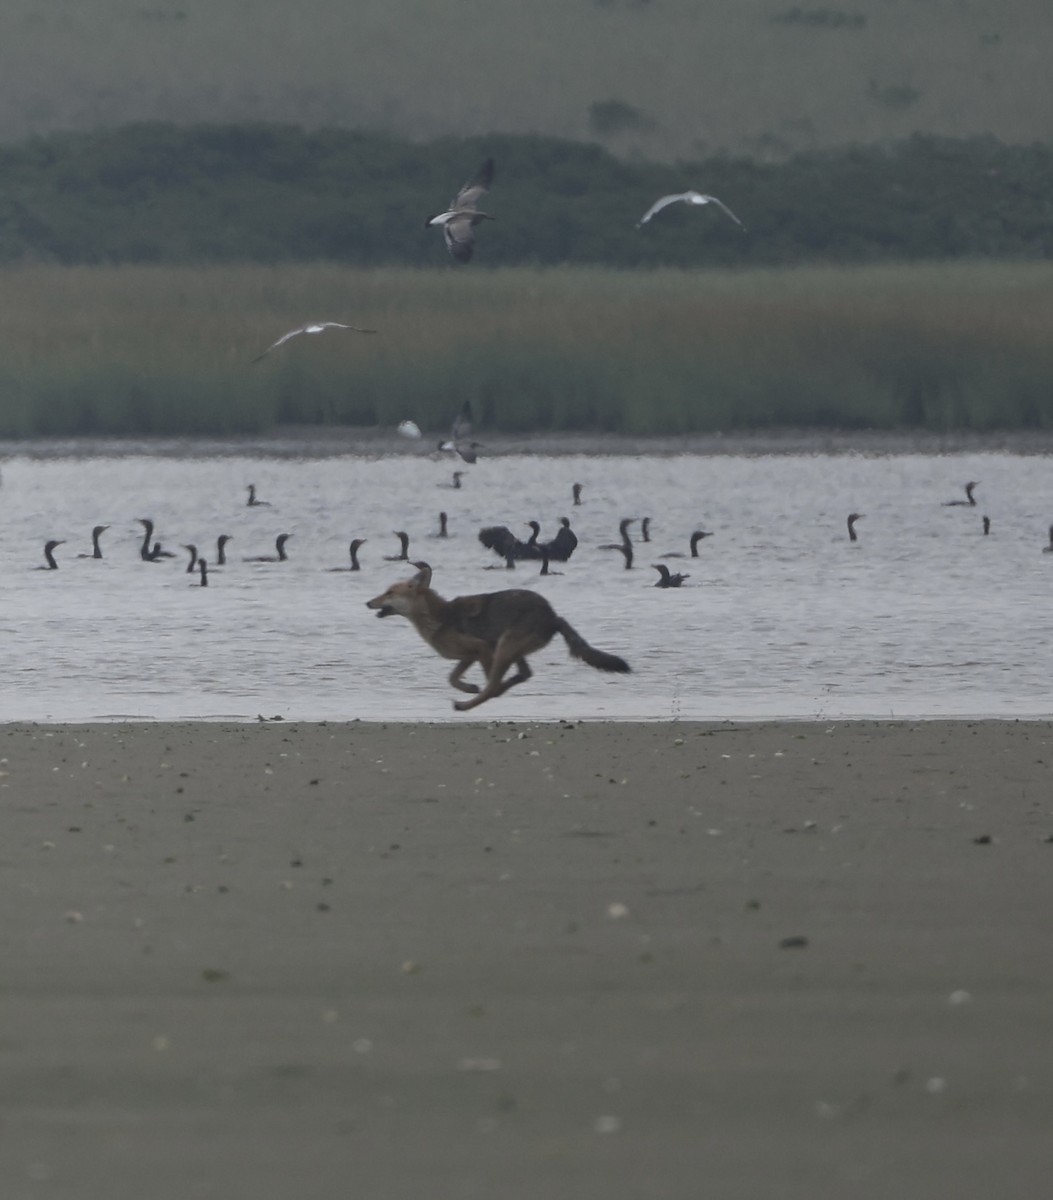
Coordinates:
[513,960]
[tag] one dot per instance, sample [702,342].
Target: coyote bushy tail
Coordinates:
[580,648]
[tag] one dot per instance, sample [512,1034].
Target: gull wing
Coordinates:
[462,426]
[284,338]
[474,190]
[723,207]
[659,204]
[459,235]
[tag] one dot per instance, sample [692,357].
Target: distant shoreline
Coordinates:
[299,441]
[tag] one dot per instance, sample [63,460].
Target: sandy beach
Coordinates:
[504,960]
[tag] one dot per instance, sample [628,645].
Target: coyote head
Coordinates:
[399,599]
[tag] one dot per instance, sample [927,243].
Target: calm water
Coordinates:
[782,616]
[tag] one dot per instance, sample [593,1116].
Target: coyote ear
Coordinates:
[423,576]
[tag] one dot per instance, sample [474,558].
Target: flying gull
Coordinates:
[314,327]
[459,220]
[687,198]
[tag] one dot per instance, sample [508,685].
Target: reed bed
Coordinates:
[157,350]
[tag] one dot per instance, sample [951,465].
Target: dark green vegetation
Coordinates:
[654,79]
[166,350]
[255,193]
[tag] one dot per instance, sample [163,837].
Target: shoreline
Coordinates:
[297,441]
[594,960]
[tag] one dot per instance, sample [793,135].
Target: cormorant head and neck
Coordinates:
[852,519]
[696,537]
[354,552]
[148,533]
[221,549]
[49,555]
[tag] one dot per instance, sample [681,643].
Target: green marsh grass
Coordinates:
[156,350]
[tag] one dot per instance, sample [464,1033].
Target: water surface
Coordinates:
[782,616]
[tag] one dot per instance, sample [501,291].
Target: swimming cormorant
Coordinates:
[696,537]
[96,549]
[404,555]
[852,519]
[221,549]
[353,549]
[49,548]
[252,502]
[625,545]
[969,500]
[667,580]
[279,545]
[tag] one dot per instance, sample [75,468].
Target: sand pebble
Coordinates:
[607,1124]
[362,1045]
[74,917]
[617,911]
[959,997]
[479,1064]
[935,1085]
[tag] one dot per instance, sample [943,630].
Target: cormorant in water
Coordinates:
[456,480]
[252,502]
[404,556]
[49,548]
[202,566]
[645,529]
[562,546]
[353,548]
[970,499]
[147,552]
[279,545]
[987,525]
[625,545]
[221,549]
[696,537]
[504,542]
[96,549]
[575,491]
[1049,549]
[192,564]
[665,579]
[852,519]
[443,532]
